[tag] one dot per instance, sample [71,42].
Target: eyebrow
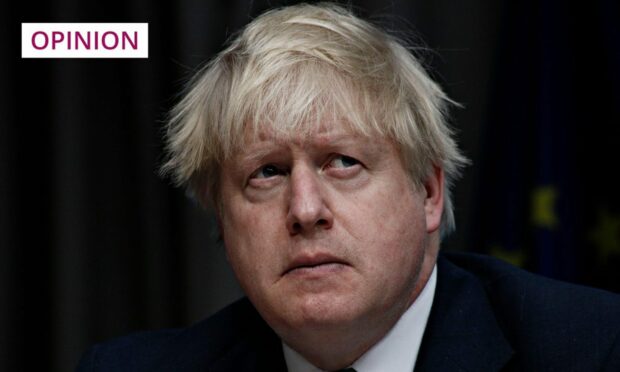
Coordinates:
[256,155]
[264,148]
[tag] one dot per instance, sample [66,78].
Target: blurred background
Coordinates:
[93,244]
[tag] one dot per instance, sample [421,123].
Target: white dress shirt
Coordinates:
[397,351]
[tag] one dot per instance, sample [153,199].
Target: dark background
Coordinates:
[94,245]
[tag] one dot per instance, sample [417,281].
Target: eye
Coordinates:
[267,171]
[343,161]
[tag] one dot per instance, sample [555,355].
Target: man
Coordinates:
[321,144]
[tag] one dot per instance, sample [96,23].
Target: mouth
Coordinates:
[315,263]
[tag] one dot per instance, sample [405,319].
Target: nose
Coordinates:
[308,210]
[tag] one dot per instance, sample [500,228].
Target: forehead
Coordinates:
[326,133]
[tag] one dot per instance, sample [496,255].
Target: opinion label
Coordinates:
[85,40]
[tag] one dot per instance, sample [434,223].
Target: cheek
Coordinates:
[388,210]
[390,223]
[250,236]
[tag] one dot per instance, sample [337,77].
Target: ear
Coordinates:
[433,201]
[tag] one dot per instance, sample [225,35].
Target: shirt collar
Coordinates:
[397,351]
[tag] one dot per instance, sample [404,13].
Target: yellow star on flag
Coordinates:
[515,257]
[606,235]
[543,207]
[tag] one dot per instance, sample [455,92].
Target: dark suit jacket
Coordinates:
[486,316]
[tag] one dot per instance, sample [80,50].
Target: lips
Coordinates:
[310,261]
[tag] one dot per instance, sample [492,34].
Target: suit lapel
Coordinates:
[462,333]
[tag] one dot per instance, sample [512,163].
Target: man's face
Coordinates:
[327,230]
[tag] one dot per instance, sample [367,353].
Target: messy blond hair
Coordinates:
[293,67]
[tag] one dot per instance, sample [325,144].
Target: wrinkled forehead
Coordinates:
[318,133]
[259,141]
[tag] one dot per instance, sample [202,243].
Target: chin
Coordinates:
[323,311]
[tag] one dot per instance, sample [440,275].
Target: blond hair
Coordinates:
[291,68]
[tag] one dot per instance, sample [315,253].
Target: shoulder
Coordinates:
[186,349]
[119,354]
[547,321]
[507,285]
